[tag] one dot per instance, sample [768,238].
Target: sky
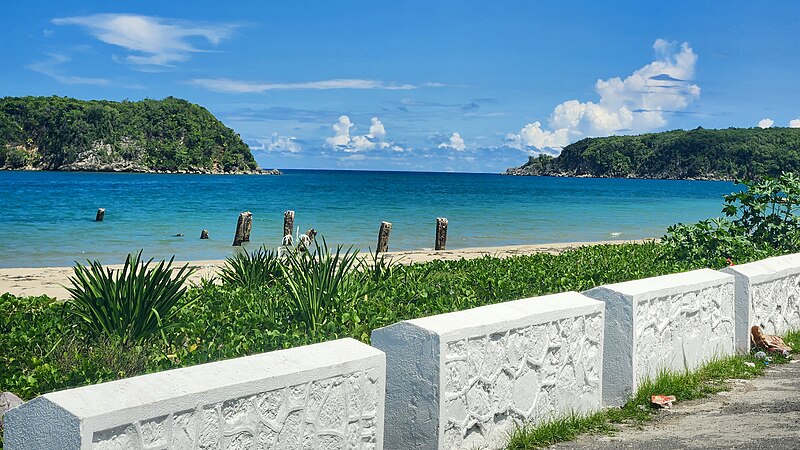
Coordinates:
[469,86]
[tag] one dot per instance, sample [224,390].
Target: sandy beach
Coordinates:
[50,281]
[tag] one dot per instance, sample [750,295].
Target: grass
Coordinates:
[709,379]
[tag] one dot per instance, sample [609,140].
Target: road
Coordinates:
[761,413]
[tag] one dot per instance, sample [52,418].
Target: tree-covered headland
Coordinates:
[60,133]
[733,153]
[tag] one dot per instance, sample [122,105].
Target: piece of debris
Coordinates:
[664,401]
[770,342]
[749,364]
[8,401]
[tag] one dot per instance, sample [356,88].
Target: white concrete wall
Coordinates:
[768,295]
[673,322]
[464,380]
[324,396]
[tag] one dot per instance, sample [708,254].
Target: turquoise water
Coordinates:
[47,218]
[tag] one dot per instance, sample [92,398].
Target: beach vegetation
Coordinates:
[128,305]
[327,297]
[251,270]
[760,220]
[321,284]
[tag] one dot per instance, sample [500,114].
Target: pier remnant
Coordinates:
[204,234]
[101,214]
[288,225]
[243,227]
[441,233]
[383,237]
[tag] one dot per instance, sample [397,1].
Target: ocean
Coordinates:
[47,218]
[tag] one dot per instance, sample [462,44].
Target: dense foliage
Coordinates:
[733,153]
[128,305]
[59,133]
[760,221]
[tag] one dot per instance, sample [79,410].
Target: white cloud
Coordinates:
[153,40]
[456,142]
[794,123]
[532,135]
[277,143]
[51,68]
[766,123]
[247,87]
[633,105]
[376,129]
[342,139]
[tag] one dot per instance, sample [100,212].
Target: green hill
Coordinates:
[733,153]
[59,133]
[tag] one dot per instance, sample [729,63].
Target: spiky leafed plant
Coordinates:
[251,270]
[131,304]
[319,281]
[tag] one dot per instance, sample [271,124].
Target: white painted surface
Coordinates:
[768,295]
[328,396]
[673,322]
[465,379]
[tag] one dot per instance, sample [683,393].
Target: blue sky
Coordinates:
[441,86]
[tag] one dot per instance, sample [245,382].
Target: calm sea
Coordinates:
[47,218]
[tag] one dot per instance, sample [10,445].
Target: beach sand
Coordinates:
[50,281]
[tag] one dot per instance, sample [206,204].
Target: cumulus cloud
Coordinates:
[794,123]
[229,85]
[277,143]
[345,141]
[766,123]
[456,142]
[155,41]
[635,104]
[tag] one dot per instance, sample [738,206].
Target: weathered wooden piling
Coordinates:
[204,234]
[383,237]
[101,214]
[243,227]
[288,224]
[441,233]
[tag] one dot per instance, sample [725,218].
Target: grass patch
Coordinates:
[709,379]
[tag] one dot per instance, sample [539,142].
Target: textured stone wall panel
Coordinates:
[497,367]
[767,295]
[326,396]
[673,322]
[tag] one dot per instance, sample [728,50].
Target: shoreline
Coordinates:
[50,281]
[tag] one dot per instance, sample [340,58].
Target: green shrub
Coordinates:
[766,211]
[761,221]
[251,270]
[320,283]
[128,305]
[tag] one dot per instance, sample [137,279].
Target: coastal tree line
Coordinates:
[733,153]
[51,133]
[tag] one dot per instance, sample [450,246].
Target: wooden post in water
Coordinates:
[383,237]
[204,234]
[101,213]
[243,227]
[288,224]
[441,233]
